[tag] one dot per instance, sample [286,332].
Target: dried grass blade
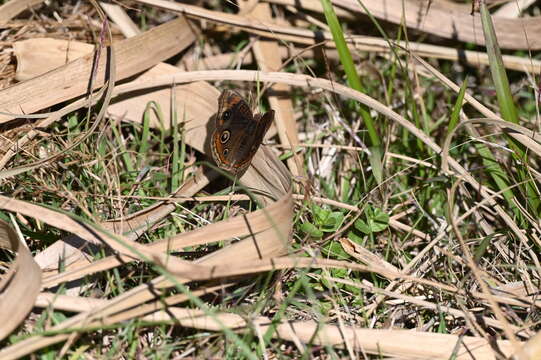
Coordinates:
[394,343]
[442,18]
[14,7]
[33,60]
[86,231]
[259,222]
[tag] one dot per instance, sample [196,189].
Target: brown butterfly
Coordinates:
[238,132]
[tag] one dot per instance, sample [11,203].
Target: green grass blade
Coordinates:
[182,155]
[354,82]
[130,168]
[175,166]
[455,115]
[145,136]
[499,75]
[508,112]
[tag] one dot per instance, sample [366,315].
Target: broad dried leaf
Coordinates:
[20,285]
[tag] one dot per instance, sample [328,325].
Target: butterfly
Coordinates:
[238,132]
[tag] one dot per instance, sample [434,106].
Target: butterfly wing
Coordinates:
[234,124]
[238,134]
[248,146]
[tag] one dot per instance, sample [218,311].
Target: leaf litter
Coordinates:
[266,234]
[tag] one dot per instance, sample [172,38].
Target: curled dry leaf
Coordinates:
[20,285]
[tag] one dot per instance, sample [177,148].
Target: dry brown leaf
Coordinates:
[532,348]
[259,222]
[513,9]
[38,56]
[67,303]
[91,234]
[20,285]
[71,251]
[71,80]
[195,104]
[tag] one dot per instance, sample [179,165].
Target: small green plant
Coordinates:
[324,221]
[375,220]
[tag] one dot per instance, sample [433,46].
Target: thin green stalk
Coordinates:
[455,115]
[145,136]
[349,67]
[175,166]
[354,82]
[130,168]
[509,113]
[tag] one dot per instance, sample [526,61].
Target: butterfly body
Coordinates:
[238,132]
